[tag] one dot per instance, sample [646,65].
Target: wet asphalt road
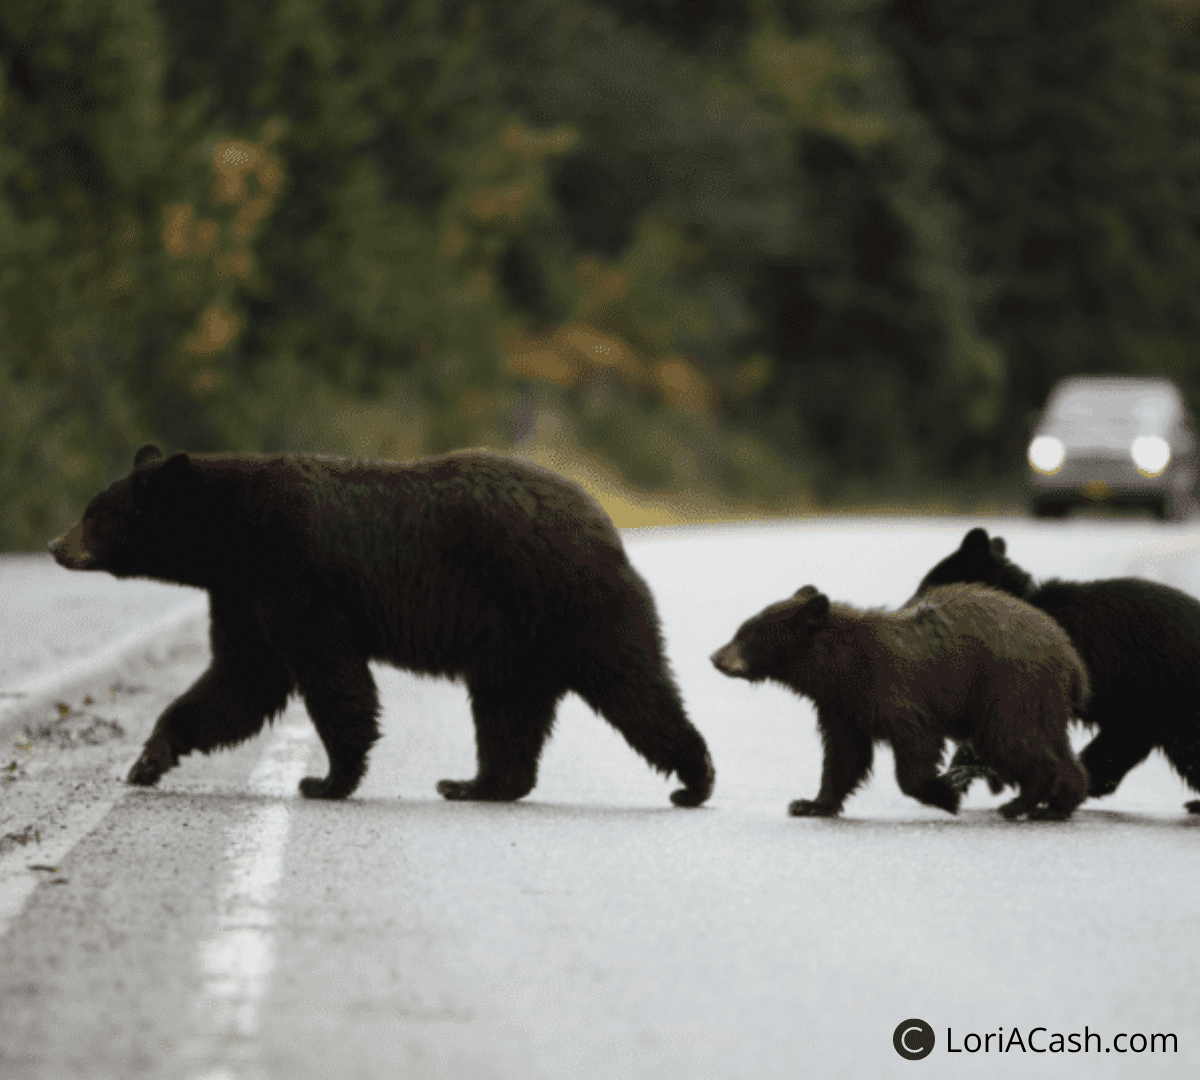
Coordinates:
[49,617]
[220,927]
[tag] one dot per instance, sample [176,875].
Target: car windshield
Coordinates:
[1115,406]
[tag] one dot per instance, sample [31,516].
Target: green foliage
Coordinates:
[84,170]
[1073,151]
[882,368]
[732,248]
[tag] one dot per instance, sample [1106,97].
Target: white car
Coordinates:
[1113,440]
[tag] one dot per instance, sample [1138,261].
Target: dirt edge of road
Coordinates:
[126,658]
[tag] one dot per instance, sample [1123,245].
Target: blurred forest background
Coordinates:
[740,255]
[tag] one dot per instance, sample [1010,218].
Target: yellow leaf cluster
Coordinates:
[575,354]
[234,161]
[216,329]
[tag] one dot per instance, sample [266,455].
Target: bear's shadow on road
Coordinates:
[408,805]
[976,818]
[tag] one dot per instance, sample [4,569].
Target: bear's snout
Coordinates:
[68,549]
[730,661]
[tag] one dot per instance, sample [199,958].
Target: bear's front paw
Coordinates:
[699,778]
[1192,807]
[157,758]
[808,808]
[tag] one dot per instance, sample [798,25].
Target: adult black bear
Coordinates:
[1141,643]
[469,565]
[965,663]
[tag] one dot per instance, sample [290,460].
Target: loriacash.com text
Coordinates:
[1040,1040]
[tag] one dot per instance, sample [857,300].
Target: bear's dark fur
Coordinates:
[1141,644]
[965,663]
[470,565]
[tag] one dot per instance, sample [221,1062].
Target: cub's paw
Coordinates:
[313,788]
[961,777]
[1192,807]
[808,808]
[474,791]
[939,792]
[1014,808]
[157,758]
[1048,813]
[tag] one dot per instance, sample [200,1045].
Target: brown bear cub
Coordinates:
[965,663]
[471,566]
[1140,641]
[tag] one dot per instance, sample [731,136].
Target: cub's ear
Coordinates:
[975,542]
[998,547]
[148,452]
[805,591]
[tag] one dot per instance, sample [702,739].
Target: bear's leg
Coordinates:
[245,684]
[1025,741]
[511,725]
[1183,752]
[224,706]
[344,706]
[1118,747]
[918,755]
[848,757]
[640,700]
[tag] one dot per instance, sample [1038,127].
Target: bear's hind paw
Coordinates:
[689,796]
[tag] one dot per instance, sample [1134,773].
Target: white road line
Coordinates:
[236,961]
[129,654]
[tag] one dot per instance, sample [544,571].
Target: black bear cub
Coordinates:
[1140,642]
[469,565]
[965,663]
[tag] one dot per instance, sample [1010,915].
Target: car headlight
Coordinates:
[1151,454]
[1046,454]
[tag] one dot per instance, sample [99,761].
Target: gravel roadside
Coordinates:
[67,742]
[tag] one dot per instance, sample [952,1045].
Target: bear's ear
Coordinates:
[177,471]
[805,592]
[975,542]
[148,452]
[814,611]
[998,547]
